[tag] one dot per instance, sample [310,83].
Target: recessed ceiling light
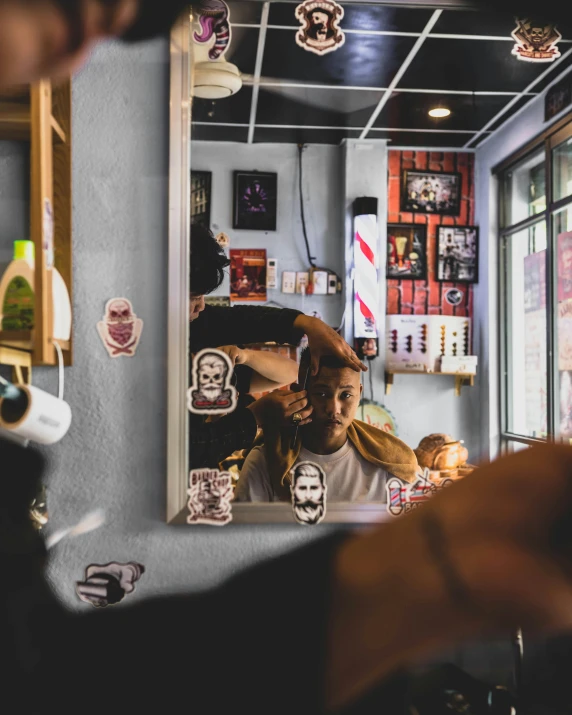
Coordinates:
[439,112]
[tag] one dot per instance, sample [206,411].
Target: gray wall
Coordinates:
[322,184]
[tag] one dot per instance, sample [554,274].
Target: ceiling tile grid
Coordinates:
[395,65]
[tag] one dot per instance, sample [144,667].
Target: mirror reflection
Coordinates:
[336,257]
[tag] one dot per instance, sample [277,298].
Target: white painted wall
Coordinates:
[522,128]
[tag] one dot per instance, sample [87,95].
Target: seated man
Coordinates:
[356,458]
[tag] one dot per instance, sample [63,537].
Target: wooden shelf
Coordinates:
[461,379]
[41,115]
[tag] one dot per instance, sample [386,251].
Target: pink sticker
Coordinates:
[210,497]
[403,497]
[107,584]
[120,330]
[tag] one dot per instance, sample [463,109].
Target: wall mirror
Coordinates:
[332,151]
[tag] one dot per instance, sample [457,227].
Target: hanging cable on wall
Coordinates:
[311,259]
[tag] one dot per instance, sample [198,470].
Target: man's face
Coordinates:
[319,18]
[308,490]
[334,394]
[38,40]
[196,306]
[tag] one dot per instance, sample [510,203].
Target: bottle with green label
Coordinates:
[17,289]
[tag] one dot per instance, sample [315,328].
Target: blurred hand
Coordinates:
[237,355]
[324,340]
[276,409]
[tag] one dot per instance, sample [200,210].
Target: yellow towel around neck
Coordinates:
[374,445]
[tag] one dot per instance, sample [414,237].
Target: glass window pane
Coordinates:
[563,233]
[562,170]
[526,345]
[523,190]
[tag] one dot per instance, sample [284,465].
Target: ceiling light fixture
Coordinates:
[439,112]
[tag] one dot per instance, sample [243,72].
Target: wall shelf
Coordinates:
[41,115]
[461,379]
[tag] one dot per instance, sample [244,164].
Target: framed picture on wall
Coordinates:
[458,254]
[407,251]
[431,192]
[255,200]
[201,198]
[248,274]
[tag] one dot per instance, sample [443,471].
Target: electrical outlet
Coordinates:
[320,283]
[288,282]
[332,284]
[302,281]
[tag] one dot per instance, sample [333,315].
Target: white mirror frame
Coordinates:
[178,324]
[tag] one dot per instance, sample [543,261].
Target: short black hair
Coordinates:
[330,361]
[208,261]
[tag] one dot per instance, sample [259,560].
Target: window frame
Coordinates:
[545,143]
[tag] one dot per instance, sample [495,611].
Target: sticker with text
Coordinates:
[211,392]
[107,584]
[120,330]
[535,41]
[402,497]
[308,488]
[210,497]
[320,32]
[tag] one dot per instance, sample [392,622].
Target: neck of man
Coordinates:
[320,443]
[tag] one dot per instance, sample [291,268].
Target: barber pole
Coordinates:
[366,263]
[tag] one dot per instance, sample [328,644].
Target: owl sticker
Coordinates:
[120,330]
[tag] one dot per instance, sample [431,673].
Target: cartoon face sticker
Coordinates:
[213,17]
[536,42]
[308,488]
[120,330]
[211,392]
[320,32]
[107,584]
[210,496]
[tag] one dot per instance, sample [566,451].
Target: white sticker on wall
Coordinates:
[536,42]
[120,330]
[308,488]
[320,32]
[403,497]
[107,584]
[211,392]
[210,497]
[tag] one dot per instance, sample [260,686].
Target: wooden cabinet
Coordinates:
[41,115]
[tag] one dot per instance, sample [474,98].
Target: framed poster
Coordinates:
[255,200]
[431,192]
[201,198]
[458,254]
[248,274]
[407,251]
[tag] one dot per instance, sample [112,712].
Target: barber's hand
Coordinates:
[277,408]
[237,355]
[324,340]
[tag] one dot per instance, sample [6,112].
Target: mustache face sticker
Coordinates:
[320,32]
[308,488]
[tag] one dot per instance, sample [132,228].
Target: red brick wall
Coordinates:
[428,297]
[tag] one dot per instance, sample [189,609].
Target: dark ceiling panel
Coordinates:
[480,23]
[475,65]
[218,134]
[421,139]
[245,11]
[361,17]
[242,49]
[364,60]
[316,107]
[410,110]
[559,69]
[507,115]
[234,109]
[302,136]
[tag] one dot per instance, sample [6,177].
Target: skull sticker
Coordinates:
[120,329]
[107,584]
[210,496]
[211,391]
[536,42]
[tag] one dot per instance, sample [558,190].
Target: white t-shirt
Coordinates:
[349,477]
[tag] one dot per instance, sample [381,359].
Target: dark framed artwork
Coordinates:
[431,192]
[255,200]
[201,182]
[407,251]
[458,254]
